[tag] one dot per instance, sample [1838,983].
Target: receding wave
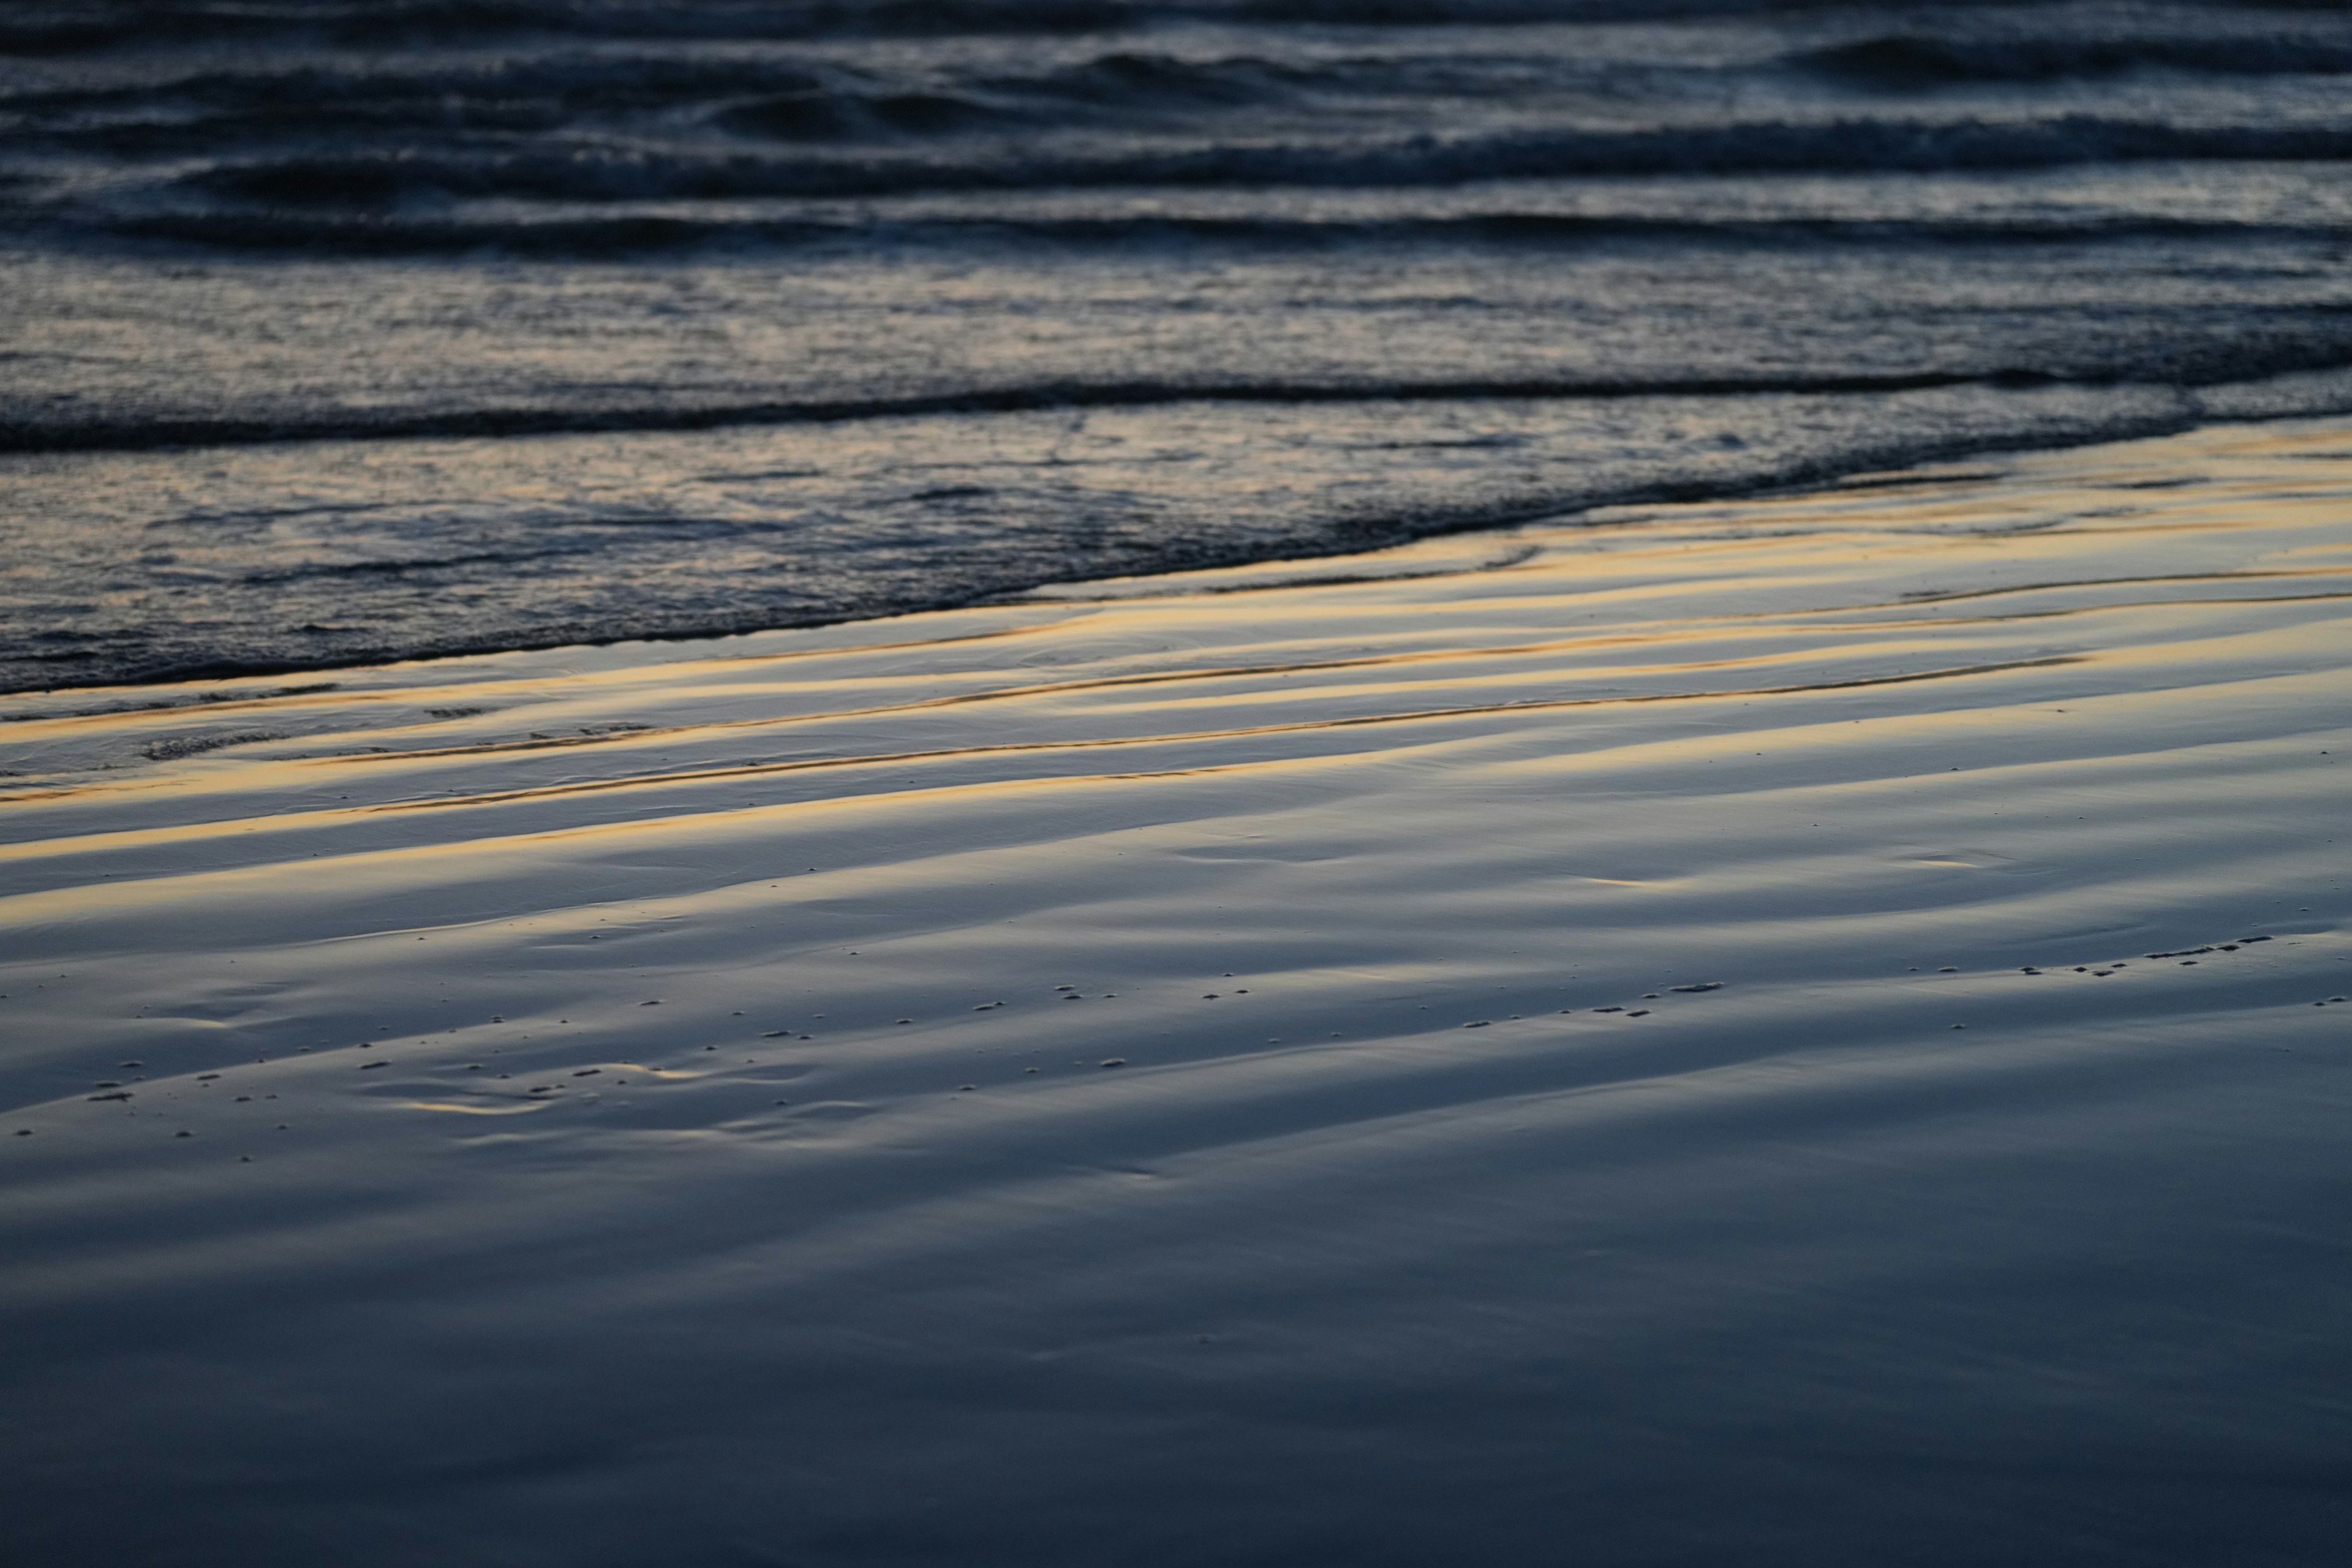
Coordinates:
[1123,86]
[2287,353]
[526,94]
[633,234]
[98,24]
[407,111]
[756,96]
[1843,147]
[66,29]
[365,236]
[1114,286]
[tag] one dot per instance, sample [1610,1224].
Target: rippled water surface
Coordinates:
[1239,783]
[340,332]
[1798,1031]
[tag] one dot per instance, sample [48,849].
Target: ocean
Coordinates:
[339,331]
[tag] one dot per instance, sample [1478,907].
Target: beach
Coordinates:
[1175,783]
[1796,1028]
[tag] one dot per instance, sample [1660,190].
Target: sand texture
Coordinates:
[1790,1031]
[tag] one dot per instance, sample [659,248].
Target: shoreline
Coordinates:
[2301,395]
[1805,1022]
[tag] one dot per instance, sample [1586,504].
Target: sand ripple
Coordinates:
[664,1093]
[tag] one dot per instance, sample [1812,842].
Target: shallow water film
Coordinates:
[1798,1031]
[608,318]
[1059,783]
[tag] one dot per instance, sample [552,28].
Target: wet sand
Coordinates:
[1798,1030]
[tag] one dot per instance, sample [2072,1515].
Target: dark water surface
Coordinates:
[1803,1032]
[338,331]
[1798,1030]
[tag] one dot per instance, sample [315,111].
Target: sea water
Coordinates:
[336,331]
